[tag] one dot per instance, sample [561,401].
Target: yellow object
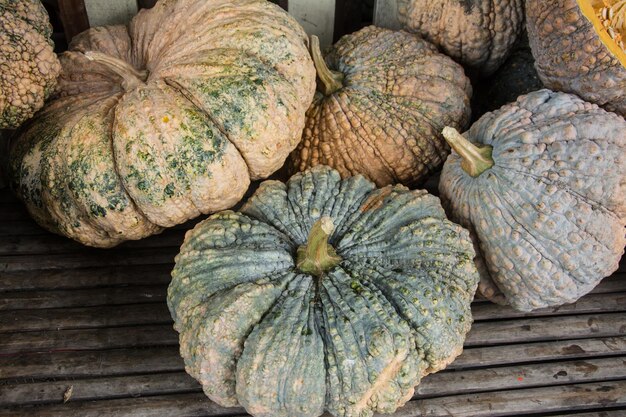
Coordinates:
[609,20]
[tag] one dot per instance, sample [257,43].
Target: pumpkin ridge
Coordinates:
[189,97]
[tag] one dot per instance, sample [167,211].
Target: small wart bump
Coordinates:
[166,119]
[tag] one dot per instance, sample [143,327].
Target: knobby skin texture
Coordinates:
[385,122]
[28,65]
[570,56]
[477,33]
[548,218]
[166,119]
[255,331]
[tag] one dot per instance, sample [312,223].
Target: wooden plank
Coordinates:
[85,364]
[546,328]
[33,300]
[110,12]
[98,389]
[522,376]
[48,244]
[59,279]
[116,257]
[188,405]
[386,14]
[523,401]
[108,307]
[436,385]
[316,17]
[539,352]
[84,317]
[482,333]
[88,339]
[73,14]
[26,367]
[592,303]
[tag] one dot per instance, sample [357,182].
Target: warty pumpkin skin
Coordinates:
[322,295]
[164,120]
[547,208]
[575,54]
[383,98]
[477,33]
[28,64]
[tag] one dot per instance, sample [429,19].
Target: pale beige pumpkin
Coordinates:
[166,119]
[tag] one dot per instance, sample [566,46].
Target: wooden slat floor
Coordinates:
[95,323]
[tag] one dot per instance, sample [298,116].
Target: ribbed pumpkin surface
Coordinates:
[549,215]
[28,65]
[257,331]
[166,119]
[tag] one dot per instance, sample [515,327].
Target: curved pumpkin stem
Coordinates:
[131,76]
[476,160]
[330,81]
[317,256]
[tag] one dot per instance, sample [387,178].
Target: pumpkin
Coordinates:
[383,98]
[477,33]
[541,184]
[28,65]
[579,48]
[165,119]
[322,294]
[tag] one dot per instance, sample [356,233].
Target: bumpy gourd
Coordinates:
[383,98]
[165,119]
[541,184]
[579,48]
[477,33]
[28,65]
[322,295]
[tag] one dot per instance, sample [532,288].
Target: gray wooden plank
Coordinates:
[521,376]
[52,244]
[110,12]
[386,14]
[151,256]
[523,401]
[98,388]
[84,317]
[83,364]
[188,405]
[539,352]
[31,300]
[482,333]
[316,17]
[592,303]
[546,328]
[77,364]
[88,339]
[118,306]
[103,276]
[436,385]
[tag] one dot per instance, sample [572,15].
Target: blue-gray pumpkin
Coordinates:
[541,184]
[322,294]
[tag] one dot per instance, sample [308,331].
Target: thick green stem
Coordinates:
[476,160]
[131,76]
[329,81]
[317,257]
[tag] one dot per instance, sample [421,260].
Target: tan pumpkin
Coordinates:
[28,65]
[383,98]
[477,33]
[578,47]
[166,119]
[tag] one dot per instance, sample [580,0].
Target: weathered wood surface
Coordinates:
[96,320]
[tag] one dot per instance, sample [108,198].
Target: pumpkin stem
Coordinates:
[131,76]
[476,160]
[330,81]
[317,256]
